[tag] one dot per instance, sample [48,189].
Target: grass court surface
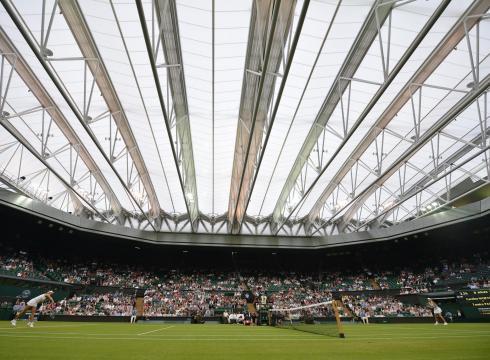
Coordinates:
[65,340]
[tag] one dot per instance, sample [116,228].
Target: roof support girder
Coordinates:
[369,31]
[16,186]
[460,106]
[445,199]
[388,79]
[150,51]
[78,198]
[38,90]
[265,52]
[447,44]
[166,11]
[79,28]
[41,55]
[476,143]
[289,60]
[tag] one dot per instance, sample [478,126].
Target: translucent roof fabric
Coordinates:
[129,111]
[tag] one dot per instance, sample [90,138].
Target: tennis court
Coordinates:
[58,340]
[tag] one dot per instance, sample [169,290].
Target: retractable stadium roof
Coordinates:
[263,117]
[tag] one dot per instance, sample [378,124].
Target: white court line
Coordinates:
[20,326]
[171,335]
[431,328]
[316,338]
[292,334]
[152,331]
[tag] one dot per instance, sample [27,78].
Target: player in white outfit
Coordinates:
[437,312]
[134,313]
[32,305]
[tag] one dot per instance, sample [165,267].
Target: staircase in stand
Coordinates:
[139,303]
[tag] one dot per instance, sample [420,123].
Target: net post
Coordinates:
[335,305]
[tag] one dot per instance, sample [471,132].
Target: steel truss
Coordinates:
[247,181]
[44,176]
[93,62]
[164,19]
[411,92]
[22,181]
[440,171]
[437,169]
[127,158]
[84,183]
[320,168]
[270,27]
[271,48]
[49,113]
[308,156]
[389,215]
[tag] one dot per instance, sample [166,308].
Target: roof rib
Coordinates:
[38,90]
[169,36]
[78,26]
[76,199]
[448,43]
[257,94]
[462,104]
[476,142]
[356,54]
[388,79]
[268,129]
[21,26]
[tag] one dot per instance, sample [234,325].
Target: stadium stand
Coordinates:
[184,292]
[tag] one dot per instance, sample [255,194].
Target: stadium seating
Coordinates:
[212,292]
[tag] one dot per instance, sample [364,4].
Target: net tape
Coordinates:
[303,307]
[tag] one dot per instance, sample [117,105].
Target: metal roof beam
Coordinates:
[376,17]
[40,52]
[388,79]
[460,106]
[15,186]
[79,28]
[455,191]
[41,94]
[289,61]
[475,143]
[266,43]
[447,44]
[21,187]
[150,51]
[169,36]
[21,139]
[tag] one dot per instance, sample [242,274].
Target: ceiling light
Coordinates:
[46,52]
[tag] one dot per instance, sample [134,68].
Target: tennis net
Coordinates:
[321,318]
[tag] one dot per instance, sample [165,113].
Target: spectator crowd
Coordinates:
[190,302]
[211,292]
[382,306]
[100,304]
[474,273]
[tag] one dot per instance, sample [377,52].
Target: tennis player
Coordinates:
[437,312]
[32,306]
[133,315]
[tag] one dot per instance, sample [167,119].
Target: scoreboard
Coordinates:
[475,303]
